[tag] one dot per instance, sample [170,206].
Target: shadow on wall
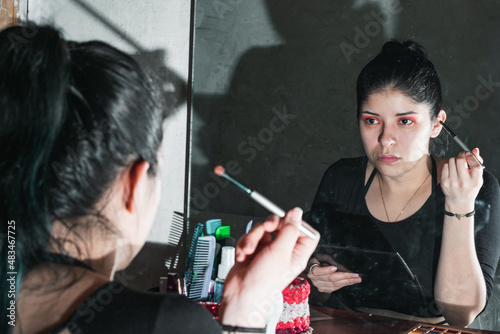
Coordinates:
[290,109]
[172,86]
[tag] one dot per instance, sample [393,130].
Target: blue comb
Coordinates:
[202,268]
[198,232]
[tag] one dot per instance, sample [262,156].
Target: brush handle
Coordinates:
[278,211]
[268,204]
[461,144]
[307,232]
[466,149]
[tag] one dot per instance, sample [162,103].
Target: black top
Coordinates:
[115,308]
[340,213]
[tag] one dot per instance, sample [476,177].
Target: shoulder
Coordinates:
[344,174]
[179,314]
[174,312]
[489,180]
[179,305]
[487,206]
[490,191]
[348,165]
[115,308]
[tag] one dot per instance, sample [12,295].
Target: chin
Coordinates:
[393,169]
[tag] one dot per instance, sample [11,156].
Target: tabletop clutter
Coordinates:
[211,255]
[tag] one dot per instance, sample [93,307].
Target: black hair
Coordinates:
[402,66]
[73,116]
[405,67]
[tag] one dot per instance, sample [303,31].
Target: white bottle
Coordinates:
[227,262]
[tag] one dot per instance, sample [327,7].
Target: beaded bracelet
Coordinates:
[470,214]
[243,329]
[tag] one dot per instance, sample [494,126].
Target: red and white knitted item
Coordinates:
[295,316]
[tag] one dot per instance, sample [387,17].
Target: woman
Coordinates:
[442,216]
[80,136]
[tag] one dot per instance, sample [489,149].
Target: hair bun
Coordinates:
[401,47]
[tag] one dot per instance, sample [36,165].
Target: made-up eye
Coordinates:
[368,120]
[406,121]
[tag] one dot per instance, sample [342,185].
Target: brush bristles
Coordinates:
[219,170]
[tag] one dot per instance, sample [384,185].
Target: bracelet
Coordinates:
[312,266]
[470,214]
[243,329]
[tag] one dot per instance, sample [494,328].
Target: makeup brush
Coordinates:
[458,141]
[219,170]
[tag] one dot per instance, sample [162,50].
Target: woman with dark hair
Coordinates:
[80,139]
[441,216]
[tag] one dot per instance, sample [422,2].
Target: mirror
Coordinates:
[274,89]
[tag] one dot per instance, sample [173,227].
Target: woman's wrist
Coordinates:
[459,207]
[243,312]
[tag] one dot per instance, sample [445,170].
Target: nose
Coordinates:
[387,136]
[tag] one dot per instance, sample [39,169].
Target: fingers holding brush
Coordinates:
[279,260]
[474,153]
[290,240]
[461,178]
[265,266]
[287,233]
[259,234]
[473,158]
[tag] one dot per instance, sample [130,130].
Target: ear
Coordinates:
[436,126]
[134,177]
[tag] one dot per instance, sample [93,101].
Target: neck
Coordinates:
[99,249]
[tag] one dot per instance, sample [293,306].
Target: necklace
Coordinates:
[403,210]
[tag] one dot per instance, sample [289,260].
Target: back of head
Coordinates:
[73,116]
[402,66]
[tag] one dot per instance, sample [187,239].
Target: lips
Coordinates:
[388,159]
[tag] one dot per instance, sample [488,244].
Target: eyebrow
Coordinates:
[398,114]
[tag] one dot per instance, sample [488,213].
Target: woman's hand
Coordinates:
[264,267]
[330,278]
[461,180]
[460,298]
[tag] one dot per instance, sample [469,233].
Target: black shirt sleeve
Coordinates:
[340,192]
[180,315]
[341,182]
[115,308]
[487,228]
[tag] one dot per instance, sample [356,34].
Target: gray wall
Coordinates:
[274,92]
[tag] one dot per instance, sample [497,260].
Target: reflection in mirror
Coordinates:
[274,94]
